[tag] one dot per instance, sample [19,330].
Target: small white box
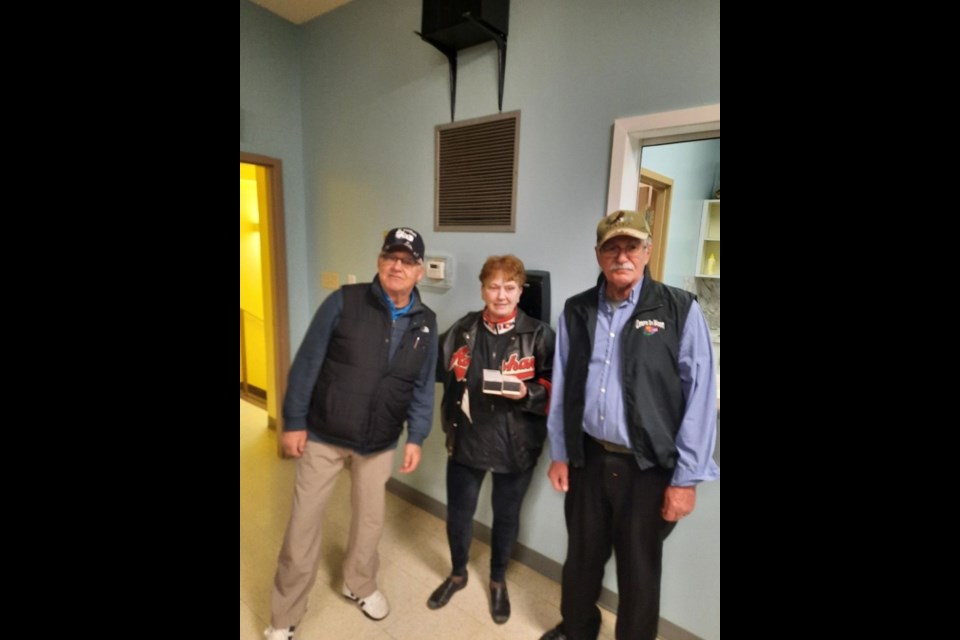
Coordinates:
[436,268]
[499,384]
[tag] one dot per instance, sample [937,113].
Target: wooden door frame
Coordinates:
[664,188]
[278,301]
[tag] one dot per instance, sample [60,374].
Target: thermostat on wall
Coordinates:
[436,267]
[438,272]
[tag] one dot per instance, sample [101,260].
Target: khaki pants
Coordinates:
[297,566]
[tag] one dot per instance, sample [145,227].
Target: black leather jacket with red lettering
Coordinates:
[515,443]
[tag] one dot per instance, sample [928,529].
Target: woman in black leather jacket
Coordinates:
[495,366]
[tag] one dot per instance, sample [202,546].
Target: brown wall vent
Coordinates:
[476,174]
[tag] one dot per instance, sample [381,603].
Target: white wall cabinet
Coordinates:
[708,255]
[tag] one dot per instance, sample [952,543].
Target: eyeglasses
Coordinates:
[407,261]
[613,250]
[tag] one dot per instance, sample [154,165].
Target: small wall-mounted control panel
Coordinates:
[436,268]
[438,271]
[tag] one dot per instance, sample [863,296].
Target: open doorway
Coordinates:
[692,167]
[264,328]
[253,332]
[636,136]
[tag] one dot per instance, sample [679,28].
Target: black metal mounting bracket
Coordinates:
[501,41]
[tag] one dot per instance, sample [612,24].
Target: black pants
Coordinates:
[613,505]
[463,489]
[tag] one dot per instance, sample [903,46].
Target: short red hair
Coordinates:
[509,265]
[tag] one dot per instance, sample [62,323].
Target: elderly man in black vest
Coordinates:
[365,366]
[632,426]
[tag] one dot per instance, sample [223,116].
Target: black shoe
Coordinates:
[499,604]
[444,592]
[554,634]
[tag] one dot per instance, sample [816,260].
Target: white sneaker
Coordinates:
[278,634]
[374,606]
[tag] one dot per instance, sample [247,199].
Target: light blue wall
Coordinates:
[372,93]
[270,125]
[693,167]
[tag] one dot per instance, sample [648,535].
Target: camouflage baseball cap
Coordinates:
[623,223]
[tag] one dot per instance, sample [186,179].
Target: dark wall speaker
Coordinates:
[444,22]
[535,300]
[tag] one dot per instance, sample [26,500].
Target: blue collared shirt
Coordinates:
[398,312]
[604,413]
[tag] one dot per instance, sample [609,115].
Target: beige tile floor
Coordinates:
[414,560]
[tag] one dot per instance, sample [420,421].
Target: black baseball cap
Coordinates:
[404,238]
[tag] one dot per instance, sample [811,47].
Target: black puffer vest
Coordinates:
[361,397]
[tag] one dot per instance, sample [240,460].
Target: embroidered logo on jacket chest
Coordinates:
[650,327]
[523,368]
[460,362]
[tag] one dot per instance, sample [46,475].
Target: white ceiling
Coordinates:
[299,11]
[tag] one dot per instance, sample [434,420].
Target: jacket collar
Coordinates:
[524,323]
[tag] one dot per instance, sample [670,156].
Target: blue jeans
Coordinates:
[463,489]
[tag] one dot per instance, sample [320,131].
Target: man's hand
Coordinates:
[559,476]
[678,502]
[411,458]
[293,443]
